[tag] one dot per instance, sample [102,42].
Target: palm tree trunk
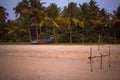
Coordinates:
[16,38]
[100,37]
[115,34]
[29,32]
[83,37]
[70,29]
[40,30]
[70,35]
[46,29]
[54,32]
[36,32]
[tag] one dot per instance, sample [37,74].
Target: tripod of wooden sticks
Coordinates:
[101,58]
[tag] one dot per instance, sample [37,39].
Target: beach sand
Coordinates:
[58,62]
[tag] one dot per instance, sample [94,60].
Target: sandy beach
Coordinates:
[57,62]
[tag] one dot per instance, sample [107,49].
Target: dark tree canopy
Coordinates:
[83,23]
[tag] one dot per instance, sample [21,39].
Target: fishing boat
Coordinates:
[44,41]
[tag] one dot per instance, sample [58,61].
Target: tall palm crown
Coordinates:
[93,9]
[117,13]
[3,14]
[83,11]
[53,11]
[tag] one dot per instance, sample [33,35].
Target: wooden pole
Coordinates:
[101,60]
[91,59]
[98,46]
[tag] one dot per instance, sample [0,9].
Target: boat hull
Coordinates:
[43,41]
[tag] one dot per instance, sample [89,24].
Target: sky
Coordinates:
[109,5]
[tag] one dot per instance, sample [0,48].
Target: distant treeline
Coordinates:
[86,23]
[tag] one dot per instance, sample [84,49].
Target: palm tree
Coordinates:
[104,19]
[83,15]
[71,13]
[22,12]
[37,14]
[22,8]
[94,17]
[98,18]
[53,12]
[3,22]
[116,24]
[3,15]
[117,13]
[15,29]
[30,11]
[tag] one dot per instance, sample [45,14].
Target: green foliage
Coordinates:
[52,10]
[86,23]
[117,13]
[3,24]
[3,15]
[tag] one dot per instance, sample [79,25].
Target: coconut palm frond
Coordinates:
[75,21]
[81,23]
[11,31]
[55,24]
[41,14]
[95,22]
[26,12]
[78,22]
[42,23]
[63,21]
[22,30]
